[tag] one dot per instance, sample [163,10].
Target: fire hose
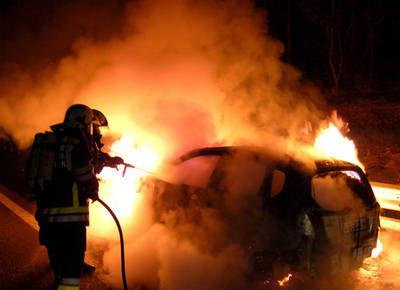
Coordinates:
[127,165]
[121,239]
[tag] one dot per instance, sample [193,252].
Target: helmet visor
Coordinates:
[99,118]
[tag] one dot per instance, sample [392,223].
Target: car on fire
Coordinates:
[290,215]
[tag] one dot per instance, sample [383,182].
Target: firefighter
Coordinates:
[61,173]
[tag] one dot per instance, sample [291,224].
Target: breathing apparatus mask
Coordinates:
[100,121]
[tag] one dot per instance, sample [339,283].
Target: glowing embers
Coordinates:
[379,247]
[285,280]
[332,143]
[282,282]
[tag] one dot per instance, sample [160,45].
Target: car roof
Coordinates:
[224,150]
[322,165]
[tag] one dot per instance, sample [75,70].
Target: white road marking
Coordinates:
[19,211]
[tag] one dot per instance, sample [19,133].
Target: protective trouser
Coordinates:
[66,245]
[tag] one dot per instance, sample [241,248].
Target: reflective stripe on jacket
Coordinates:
[74,213]
[68,284]
[65,197]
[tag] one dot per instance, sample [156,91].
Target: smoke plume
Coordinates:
[176,75]
[176,68]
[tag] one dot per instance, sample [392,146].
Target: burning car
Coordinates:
[289,216]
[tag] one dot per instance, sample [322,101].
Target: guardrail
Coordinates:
[388,196]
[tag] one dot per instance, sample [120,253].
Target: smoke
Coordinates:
[175,76]
[211,65]
[325,189]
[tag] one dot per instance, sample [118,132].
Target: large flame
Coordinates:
[118,191]
[331,142]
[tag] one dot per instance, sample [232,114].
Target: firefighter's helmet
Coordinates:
[79,116]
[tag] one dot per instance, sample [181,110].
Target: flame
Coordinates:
[119,192]
[123,189]
[285,280]
[332,143]
[379,247]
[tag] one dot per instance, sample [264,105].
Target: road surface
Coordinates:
[24,263]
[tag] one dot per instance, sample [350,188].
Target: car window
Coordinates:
[195,171]
[277,182]
[242,173]
[337,191]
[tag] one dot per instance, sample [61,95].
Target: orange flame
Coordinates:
[122,190]
[119,192]
[332,143]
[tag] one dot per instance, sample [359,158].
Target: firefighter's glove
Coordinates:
[88,186]
[94,196]
[115,161]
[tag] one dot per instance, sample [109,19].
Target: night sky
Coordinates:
[36,34]
[164,88]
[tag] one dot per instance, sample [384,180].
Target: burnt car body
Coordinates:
[290,216]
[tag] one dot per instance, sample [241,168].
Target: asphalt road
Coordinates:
[381,272]
[23,262]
